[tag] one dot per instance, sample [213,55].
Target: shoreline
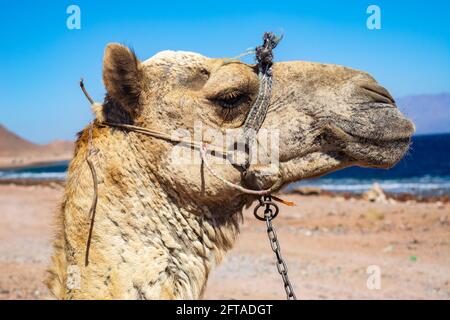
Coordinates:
[306,191]
[399,197]
[33,164]
[390,196]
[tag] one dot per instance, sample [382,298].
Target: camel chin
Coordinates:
[378,154]
[362,153]
[313,165]
[378,139]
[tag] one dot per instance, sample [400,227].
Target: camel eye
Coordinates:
[231,99]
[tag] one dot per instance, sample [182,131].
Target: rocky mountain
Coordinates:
[11,144]
[16,151]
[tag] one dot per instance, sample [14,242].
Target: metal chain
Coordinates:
[271,210]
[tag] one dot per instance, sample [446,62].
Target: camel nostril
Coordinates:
[378,93]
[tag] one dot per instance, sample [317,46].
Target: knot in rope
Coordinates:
[264,54]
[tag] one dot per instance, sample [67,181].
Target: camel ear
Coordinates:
[123,76]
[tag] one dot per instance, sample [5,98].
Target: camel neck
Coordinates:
[148,241]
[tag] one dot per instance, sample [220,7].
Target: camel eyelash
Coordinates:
[231,99]
[230,114]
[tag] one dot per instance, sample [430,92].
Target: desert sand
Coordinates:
[328,243]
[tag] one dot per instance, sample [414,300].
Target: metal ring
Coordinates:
[268,205]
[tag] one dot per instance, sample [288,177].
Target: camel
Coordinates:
[161,227]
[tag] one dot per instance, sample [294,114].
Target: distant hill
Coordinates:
[59,146]
[11,144]
[430,112]
[16,151]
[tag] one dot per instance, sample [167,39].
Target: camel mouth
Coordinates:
[377,122]
[401,137]
[374,153]
[313,165]
[378,138]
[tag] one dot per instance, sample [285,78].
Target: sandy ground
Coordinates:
[328,244]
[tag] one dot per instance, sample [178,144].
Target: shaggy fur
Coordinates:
[161,226]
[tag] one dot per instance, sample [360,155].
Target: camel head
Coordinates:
[326,117]
[163,219]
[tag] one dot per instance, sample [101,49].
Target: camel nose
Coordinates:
[378,117]
[378,93]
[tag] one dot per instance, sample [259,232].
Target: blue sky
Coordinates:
[41,60]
